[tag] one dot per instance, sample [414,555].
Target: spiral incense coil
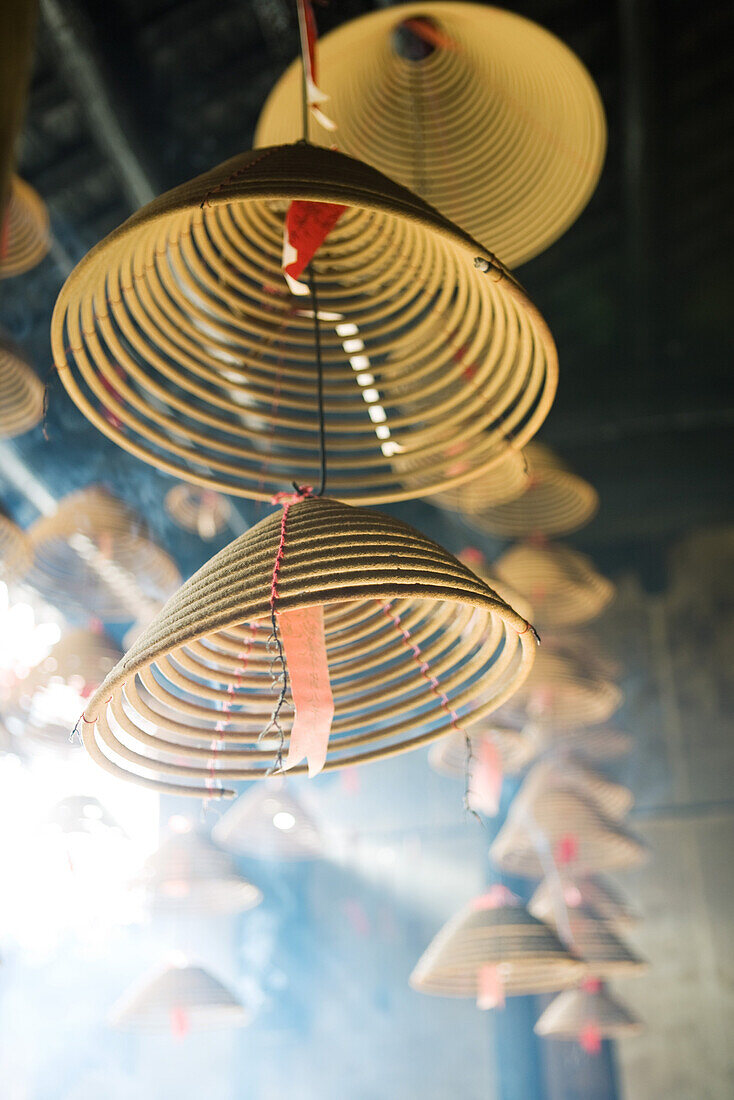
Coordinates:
[16,553]
[584,648]
[549,777]
[21,396]
[529,956]
[179,997]
[448,756]
[483,113]
[46,704]
[575,1011]
[560,693]
[178,337]
[594,940]
[268,822]
[561,584]
[587,744]
[188,873]
[201,510]
[24,232]
[554,501]
[503,482]
[92,555]
[594,892]
[562,827]
[401,617]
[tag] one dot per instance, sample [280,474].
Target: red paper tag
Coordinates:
[179,1023]
[591,985]
[486,779]
[307,225]
[490,988]
[567,849]
[590,1038]
[304,645]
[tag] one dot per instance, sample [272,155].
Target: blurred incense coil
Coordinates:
[562,694]
[268,822]
[21,395]
[195,509]
[562,585]
[574,1011]
[24,233]
[16,553]
[483,113]
[593,939]
[188,873]
[594,892]
[448,756]
[205,368]
[178,998]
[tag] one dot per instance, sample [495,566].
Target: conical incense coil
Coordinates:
[201,510]
[93,555]
[575,1011]
[21,395]
[401,617]
[46,703]
[585,648]
[560,693]
[594,892]
[179,998]
[188,873]
[15,551]
[448,755]
[178,338]
[594,940]
[555,501]
[560,583]
[504,481]
[550,776]
[483,113]
[24,233]
[268,822]
[563,829]
[528,955]
[587,744]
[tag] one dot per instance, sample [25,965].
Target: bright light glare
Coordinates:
[23,641]
[283,820]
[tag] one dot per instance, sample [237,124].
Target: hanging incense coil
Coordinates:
[178,338]
[561,584]
[202,670]
[594,940]
[201,510]
[527,953]
[21,395]
[179,998]
[486,115]
[46,705]
[93,555]
[551,826]
[268,822]
[554,501]
[562,694]
[548,777]
[504,481]
[587,744]
[593,892]
[448,756]
[15,551]
[189,873]
[585,648]
[574,1011]
[24,232]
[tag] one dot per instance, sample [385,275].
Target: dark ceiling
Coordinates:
[132,97]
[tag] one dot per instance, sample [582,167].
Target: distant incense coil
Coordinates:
[15,551]
[186,873]
[415,644]
[550,776]
[483,113]
[576,1012]
[24,232]
[268,822]
[595,892]
[203,511]
[21,395]
[600,743]
[562,585]
[176,999]
[527,953]
[178,338]
[594,940]
[562,694]
[554,501]
[93,555]
[449,755]
[503,482]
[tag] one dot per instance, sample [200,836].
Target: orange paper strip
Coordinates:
[304,645]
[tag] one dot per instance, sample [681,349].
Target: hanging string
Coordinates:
[303,36]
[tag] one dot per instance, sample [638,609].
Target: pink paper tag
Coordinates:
[490,988]
[495,898]
[179,1022]
[304,645]
[591,985]
[567,849]
[590,1038]
[486,779]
